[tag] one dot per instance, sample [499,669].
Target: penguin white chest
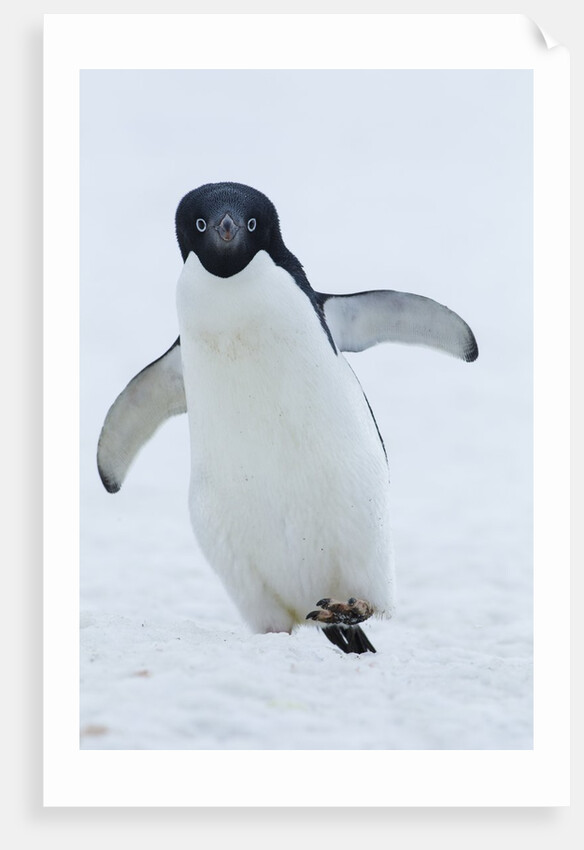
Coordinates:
[289,481]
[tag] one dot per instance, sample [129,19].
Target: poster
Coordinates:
[420,153]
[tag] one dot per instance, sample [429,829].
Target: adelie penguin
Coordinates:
[289,488]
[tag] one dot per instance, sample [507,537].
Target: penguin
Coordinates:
[289,482]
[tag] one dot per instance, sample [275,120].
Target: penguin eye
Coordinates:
[251,225]
[201,225]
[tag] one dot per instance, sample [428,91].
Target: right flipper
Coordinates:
[152,396]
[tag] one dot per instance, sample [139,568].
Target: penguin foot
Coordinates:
[349,638]
[347,613]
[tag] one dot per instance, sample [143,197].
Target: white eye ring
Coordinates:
[251,225]
[201,225]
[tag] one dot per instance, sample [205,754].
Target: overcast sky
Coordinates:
[417,180]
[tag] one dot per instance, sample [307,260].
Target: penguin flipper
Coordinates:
[363,319]
[152,396]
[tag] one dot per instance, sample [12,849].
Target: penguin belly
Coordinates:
[289,489]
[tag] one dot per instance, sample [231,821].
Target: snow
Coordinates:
[166,661]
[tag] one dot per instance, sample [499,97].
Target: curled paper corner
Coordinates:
[543,38]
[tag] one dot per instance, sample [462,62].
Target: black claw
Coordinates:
[312,615]
[337,636]
[322,603]
[358,641]
[351,639]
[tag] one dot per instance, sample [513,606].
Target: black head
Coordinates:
[225,225]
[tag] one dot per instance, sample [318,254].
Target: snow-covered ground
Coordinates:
[430,194]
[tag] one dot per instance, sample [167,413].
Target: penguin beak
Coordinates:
[227,228]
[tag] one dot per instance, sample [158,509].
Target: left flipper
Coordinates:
[363,319]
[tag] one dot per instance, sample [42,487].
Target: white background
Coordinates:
[538,827]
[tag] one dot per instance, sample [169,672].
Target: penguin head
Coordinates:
[225,225]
